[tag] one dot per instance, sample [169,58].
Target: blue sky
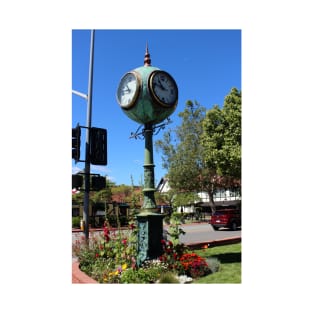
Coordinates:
[206,64]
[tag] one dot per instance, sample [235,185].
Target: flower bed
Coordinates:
[111,258]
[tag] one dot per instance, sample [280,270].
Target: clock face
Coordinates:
[163,88]
[128,90]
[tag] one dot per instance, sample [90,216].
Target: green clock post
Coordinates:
[148,96]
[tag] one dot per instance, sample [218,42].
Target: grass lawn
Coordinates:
[230,269]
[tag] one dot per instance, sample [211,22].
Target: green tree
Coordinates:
[78,198]
[221,139]
[122,192]
[104,195]
[185,198]
[204,152]
[182,154]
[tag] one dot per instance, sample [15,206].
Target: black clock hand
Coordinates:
[164,88]
[160,84]
[126,89]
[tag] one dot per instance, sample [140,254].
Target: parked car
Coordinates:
[226,217]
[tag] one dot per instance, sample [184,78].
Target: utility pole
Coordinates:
[87,97]
[87,162]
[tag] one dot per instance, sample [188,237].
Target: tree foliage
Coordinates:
[204,151]
[221,138]
[182,154]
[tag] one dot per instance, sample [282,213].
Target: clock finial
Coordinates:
[147,60]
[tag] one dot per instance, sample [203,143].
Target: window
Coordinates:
[235,192]
[75,211]
[220,194]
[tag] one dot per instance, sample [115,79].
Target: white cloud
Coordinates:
[76,169]
[95,169]
[98,169]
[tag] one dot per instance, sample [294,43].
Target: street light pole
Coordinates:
[87,159]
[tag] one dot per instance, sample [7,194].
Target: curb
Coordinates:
[214,243]
[79,277]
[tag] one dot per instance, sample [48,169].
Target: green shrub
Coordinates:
[76,222]
[166,219]
[123,220]
[168,278]
[214,264]
[112,220]
[174,229]
[132,276]
[150,272]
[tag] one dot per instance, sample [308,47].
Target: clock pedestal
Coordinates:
[150,234]
[148,191]
[150,223]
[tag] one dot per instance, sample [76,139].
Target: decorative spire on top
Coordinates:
[147,60]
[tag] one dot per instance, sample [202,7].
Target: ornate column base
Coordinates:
[150,234]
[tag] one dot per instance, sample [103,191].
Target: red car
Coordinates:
[226,217]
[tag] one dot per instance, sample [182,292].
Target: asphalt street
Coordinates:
[204,232]
[195,232]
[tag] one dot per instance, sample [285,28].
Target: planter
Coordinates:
[79,277]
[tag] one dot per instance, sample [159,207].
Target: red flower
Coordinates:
[97,255]
[194,265]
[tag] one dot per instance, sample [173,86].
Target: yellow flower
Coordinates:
[124,266]
[113,273]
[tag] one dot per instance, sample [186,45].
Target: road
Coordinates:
[204,232]
[195,233]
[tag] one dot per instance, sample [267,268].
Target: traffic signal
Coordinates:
[98,146]
[76,132]
[98,183]
[77,181]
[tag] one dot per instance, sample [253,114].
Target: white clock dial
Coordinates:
[163,88]
[128,90]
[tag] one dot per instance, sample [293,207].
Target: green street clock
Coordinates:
[147,94]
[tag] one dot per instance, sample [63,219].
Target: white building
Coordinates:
[222,197]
